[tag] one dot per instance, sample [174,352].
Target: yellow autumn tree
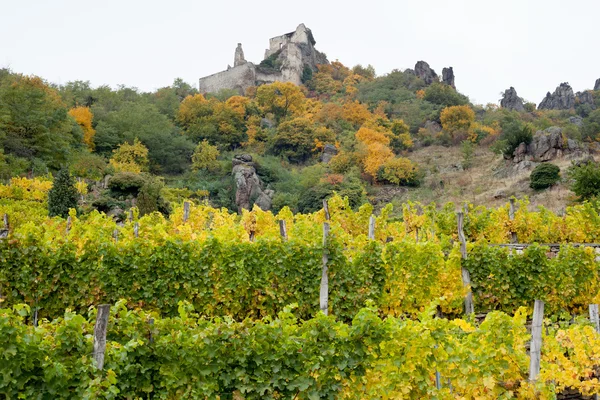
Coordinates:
[457,119]
[281,99]
[191,108]
[205,157]
[130,157]
[83,116]
[376,150]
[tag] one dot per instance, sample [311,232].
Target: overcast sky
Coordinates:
[532,45]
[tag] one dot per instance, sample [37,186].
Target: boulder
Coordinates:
[423,71]
[576,120]
[563,98]
[597,85]
[448,76]
[546,145]
[432,126]
[499,194]
[329,151]
[511,101]
[265,199]
[248,184]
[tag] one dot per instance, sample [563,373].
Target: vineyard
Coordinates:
[209,304]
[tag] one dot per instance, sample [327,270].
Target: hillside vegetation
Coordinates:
[372,139]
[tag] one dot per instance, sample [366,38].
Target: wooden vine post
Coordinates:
[136,230]
[535,351]
[466,276]
[324,289]
[100,334]
[69,223]
[372,227]
[594,317]
[186,211]
[283,230]
[511,216]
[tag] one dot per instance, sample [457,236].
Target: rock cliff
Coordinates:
[424,71]
[448,76]
[548,145]
[511,100]
[563,98]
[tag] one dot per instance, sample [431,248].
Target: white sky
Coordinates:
[532,45]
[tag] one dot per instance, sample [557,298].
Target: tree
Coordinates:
[34,123]
[63,195]
[280,98]
[205,157]
[399,171]
[376,151]
[130,157]
[586,180]
[168,150]
[513,134]
[444,95]
[150,198]
[83,116]
[457,119]
[296,139]
[543,176]
[400,138]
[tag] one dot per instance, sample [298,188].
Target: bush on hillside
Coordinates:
[543,176]
[126,183]
[586,180]
[63,195]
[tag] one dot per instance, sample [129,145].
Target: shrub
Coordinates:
[63,195]
[586,180]
[457,118]
[126,183]
[468,149]
[150,198]
[400,171]
[543,176]
[205,157]
[512,136]
[444,95]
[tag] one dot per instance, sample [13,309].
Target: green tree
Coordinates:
[150,198]
[168,150]
[543,176]
[34,123]
[586,180]
[63,195]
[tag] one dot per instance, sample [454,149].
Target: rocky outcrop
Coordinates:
[597,85]
[576,120]
[424,71]
[329,151]
[248,185]
[563,98]
[548,145]
[585,98]
[432,126]
[448,76]
[239,59]
[511,101]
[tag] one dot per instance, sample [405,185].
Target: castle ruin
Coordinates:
[286,60]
